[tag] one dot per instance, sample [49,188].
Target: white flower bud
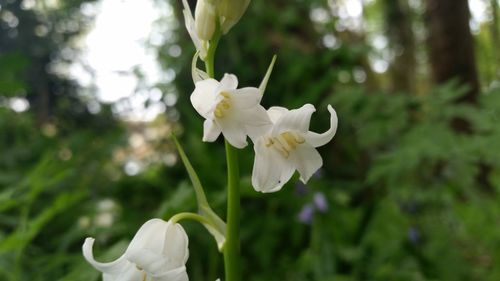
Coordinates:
[205,19]
[230,12]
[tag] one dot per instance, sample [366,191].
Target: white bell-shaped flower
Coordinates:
[289,146]
[236,113]
[158,252]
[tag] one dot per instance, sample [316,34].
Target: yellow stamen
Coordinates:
[285,143]
[289,139]
[223,105]
[269,142]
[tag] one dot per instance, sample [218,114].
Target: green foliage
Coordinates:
[412,182]
[12,66]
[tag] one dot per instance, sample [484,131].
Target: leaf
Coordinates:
[193,176]
[263,84]
[218,227]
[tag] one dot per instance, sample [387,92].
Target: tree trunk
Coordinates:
[402,41]
[451,46]
[495,34]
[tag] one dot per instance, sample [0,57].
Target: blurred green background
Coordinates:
[409,189]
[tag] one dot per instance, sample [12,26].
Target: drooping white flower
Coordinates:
[236,113]
[158,252]
[289,146]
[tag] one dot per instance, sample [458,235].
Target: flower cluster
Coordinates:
[282,143]
[281,137]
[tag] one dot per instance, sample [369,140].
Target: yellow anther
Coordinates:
[289,139]
[299,139]
[218,112]
[283,151]
[269,142]
[285,143]
[280,144]
[223,105]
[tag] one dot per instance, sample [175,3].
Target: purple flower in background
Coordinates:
[320,202]
[301,189]
[318,174]
[306,214]
[413,235]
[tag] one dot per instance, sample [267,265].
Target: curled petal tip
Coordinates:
[309,106]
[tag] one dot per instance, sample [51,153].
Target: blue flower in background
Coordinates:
[318,203]
[306,215]
[301,189]
[413,235]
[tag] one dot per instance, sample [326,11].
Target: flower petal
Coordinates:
[211,131]
[204,96]
[307,160]
[270,169]
[233,131]
[205,18]
[256,121]
[150,236]
[190,26]
[171,255]
[149,261]
[276,112]
[178,274]
[120,269]
[294,120]
[245,98]
[316,139]
[228,82]
[176,244]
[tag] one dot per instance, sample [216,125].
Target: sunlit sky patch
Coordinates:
[114,48]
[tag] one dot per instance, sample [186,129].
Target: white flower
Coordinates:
[191,26]
[158,252]
[236,113]
[205,15]
[230,12]
[289,146]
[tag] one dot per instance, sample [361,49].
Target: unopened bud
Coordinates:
[205,19]
[230,12]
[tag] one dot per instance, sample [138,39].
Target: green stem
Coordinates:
[189,216]
[232,246]
[209,60]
